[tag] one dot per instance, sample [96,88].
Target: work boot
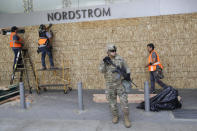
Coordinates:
[127,122]
[115,116]
[115,119]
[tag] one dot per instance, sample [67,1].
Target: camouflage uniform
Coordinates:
[113,84]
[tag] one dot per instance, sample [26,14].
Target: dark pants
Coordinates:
[154,79]
[15,50]
[47,51]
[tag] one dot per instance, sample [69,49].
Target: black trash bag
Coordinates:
[167,99]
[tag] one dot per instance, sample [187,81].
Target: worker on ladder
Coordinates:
[45,45]
[16,44]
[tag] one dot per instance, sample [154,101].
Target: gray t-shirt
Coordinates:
[155,56]
[15,37]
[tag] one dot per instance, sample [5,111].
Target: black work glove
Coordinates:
[3,32]
[107,60]
[128,78]
[50,25]
[21,31]
[38,50]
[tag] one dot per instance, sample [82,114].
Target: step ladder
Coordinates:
[64,81]
[22,67]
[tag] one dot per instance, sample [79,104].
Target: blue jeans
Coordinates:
[47,51]
[15,50]
[154,79]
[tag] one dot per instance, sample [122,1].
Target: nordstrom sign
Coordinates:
[79,14]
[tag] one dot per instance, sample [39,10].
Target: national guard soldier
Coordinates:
[114,85]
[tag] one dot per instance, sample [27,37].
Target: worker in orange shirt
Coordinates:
[154,65]
[16,43]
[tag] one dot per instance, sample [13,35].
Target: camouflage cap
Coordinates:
[111,47]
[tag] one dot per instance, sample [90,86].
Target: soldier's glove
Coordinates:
[107,60]
[128,78]
[118,68]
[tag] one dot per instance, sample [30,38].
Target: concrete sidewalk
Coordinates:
[55,111]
